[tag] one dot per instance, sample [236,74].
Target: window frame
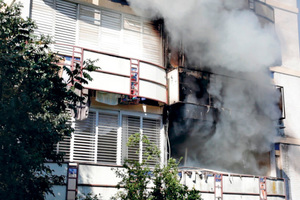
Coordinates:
[119,151]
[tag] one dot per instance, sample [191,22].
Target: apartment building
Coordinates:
[287,150]
[141,86]
[126,96]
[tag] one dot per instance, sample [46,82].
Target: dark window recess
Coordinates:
[277,146]
[193,87]
[281,104]
[122,2]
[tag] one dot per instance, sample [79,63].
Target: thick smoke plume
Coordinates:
[226,37]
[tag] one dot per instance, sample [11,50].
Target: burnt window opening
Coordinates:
[281,104]
[281,108]
[122,2]
[193,87]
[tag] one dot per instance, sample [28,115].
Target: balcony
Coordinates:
[128,47]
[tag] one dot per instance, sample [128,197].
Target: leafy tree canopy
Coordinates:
[34,101]
[139,181]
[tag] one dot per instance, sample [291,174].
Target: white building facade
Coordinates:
[287,75]
[131,88]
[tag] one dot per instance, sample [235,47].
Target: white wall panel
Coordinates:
[104,192]
[291,168]
[59,170]
[275,187]
[109,63]
[153,73]
[277,198]
[240,197]
[173,84]
[240,184]
[89,174]
[207,196]
[153,91]
[203,183]
[59,192]
[108,82]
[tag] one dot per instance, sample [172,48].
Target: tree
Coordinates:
[34,104]
[137,177]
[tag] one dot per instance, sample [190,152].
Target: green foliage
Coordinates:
[137,177]
[88,196]
[34,101]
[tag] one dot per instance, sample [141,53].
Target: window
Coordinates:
[107,127]
[132,24]
[102,137]
[281,105]
[89,15]
[99,29]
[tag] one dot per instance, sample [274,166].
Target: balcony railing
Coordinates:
[120,74]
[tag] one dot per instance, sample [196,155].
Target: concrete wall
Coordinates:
[291,102]
[291,169]
[288,76]
[286,23]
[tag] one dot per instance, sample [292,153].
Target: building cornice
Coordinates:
[288,140]
[285,70]
[282,6]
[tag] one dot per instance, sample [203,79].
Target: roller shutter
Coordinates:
[65,26]
[152,44]
[146,126]
[151,129]
[84,139]
[132,38]
[89,27]
[96,139]
[64,147]
[130,126]
[43,14]
[97,29]
[107,137]
[110,32]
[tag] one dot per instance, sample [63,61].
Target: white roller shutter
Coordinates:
[65,26]
[110,32]
[89,27]
[107,137]
[84,139]
[97,29]
[43,14]
[151,129]
[132,38]
[130,126]
[64,147]
[95,139]
[152,44]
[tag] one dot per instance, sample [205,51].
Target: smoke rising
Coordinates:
[228,38]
